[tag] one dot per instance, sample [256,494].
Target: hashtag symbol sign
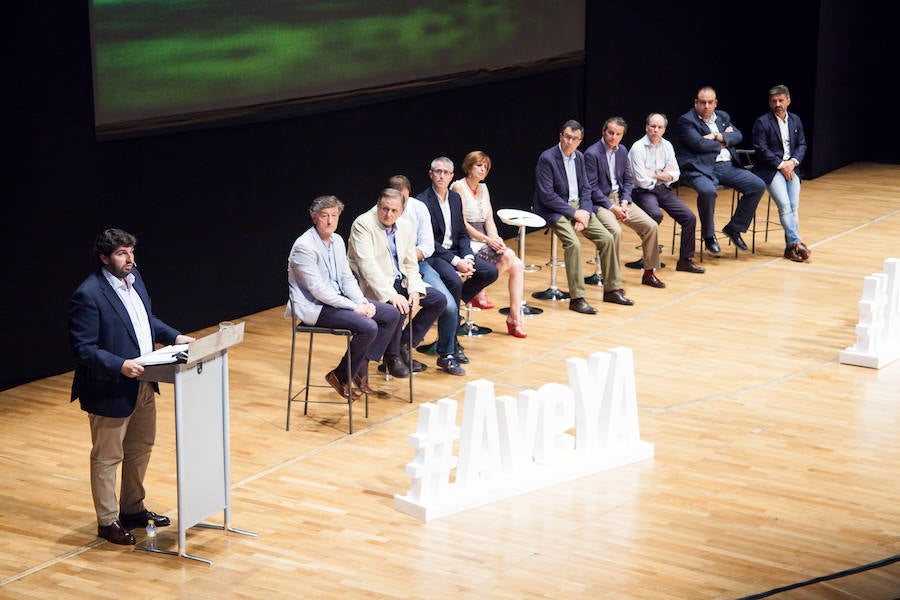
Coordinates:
[433,443]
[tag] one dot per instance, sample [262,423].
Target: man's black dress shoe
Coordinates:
[652,280]
[639,263]
[580,305]
[688,266]
[448,363]
[617,297]
[712,245]
[115,533]
[735,237]
[140,519]
[460,356]
[396,367]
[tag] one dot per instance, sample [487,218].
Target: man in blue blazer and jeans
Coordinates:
[705,151]
[779,145]
[111,324]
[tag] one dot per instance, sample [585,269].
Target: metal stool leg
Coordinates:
[597,277]
[525,310]
[469,328]
[553,292]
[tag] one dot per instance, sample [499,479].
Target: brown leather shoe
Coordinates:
[689,266]
[617,297]
[115,533]
[803,251]
[580,305]
[362,383]
[792,252]
[341,388]
[652,280]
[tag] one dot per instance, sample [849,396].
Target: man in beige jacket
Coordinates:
[382,255]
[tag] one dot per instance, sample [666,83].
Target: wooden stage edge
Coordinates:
[774,463]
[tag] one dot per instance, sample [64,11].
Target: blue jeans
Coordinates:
[448,322]
[786,195]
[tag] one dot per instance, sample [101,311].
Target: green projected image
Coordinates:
[159,58]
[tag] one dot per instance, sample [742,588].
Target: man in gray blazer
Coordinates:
[324,293]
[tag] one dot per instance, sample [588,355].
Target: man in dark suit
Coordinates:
[609,173]
[562,196]
[706,142]
[111,324]
[453,258]
[779,145]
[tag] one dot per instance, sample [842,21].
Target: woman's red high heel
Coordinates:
[481,301]
[515,329]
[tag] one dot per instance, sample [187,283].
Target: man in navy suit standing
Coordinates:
[779,145]
[562,196]
[111,324]
[453,257]
[706,142]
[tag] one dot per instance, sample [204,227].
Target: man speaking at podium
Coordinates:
[110,326]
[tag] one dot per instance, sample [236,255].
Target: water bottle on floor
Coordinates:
[150,542]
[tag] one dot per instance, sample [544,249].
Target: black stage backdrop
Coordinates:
[217,209]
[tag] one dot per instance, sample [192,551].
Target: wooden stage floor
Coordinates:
[774,463]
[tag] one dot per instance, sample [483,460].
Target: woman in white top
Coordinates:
[486,241]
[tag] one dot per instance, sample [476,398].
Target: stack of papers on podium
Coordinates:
[165,356]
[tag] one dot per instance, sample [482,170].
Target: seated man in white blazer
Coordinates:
[324,293]
[382,253]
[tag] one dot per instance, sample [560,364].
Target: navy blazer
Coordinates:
[551,192]
[767,144]
[597,167]
[460,244]
[697,155]
[102,338]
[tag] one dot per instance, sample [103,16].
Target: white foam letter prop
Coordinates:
[557,417]
[433,443]
[518,423]
[479,444]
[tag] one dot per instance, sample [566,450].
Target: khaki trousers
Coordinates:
[605,244]
[126,440]
[642,224]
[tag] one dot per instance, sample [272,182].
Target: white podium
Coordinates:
[201,433]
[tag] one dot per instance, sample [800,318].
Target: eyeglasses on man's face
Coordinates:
[441,172]
[570,138]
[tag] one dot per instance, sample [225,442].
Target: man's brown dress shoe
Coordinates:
[341,388]
[580,305]
[362,382]
[115,533]
[689,266]
[652,280]
[617,297]
[140,519]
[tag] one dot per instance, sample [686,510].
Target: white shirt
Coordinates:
[136,309]
[724,154]
[648,159]
[785,136]
[417,213]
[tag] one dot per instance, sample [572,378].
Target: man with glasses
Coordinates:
[563,197]
[453,258]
